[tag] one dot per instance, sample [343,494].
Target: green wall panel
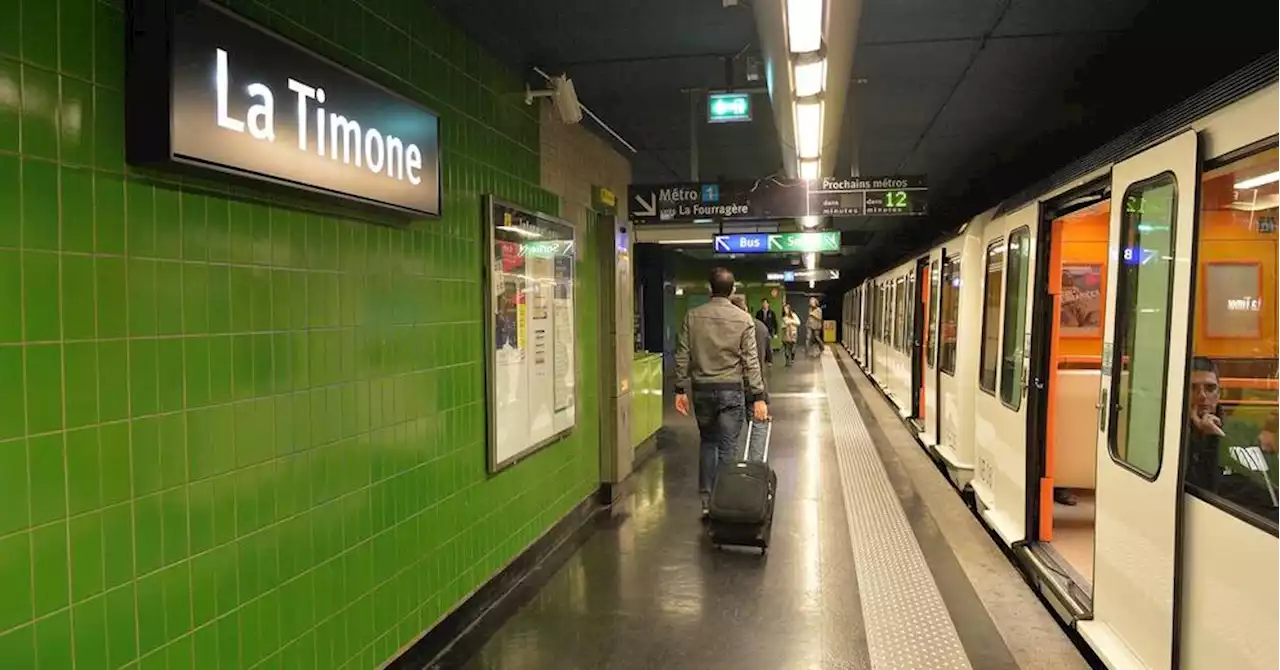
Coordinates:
[235,431]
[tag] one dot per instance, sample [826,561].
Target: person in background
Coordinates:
[790,331]
[759,429]
[715,355]
[768,318]
[1204,431]
[814,326]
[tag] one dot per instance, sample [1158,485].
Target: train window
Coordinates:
[1230,441]
[909,314]
[901,322]
[991,317]
[1015,315]
[1144,297]
[949,315]
[932,334]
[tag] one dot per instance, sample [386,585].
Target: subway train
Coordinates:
[1093,364]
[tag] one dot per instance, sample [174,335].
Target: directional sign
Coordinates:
[777,243]
[803,275]
[773,198]
[728,107]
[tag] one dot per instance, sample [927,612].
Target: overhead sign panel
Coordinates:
[774,198]
[207,89]
[777,243]
[803,275]
[728,107]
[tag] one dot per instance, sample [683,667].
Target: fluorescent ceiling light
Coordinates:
[699,240]
[811,77]
[1257,205]
[810,283]
[810,221]
[809,129]
[1258,181]
[809,170]
[704,220]
[520,231]
[804,25]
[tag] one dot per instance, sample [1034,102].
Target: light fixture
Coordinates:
[810,76]
[1258,181]
[804,25]
[809,170]
[810,261]
[810,283]
[810,221]
[809,129]
[700,240]
[523,232]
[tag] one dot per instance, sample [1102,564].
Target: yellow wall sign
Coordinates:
[828,331]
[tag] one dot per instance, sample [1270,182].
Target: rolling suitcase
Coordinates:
[742,501]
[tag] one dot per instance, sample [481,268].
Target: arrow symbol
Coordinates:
[649,207]
[568,247]
[722,244]
[775,243]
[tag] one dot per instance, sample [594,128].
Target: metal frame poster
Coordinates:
[530,335]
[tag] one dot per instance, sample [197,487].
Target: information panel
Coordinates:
[530,332]
[773,198]
[777,243]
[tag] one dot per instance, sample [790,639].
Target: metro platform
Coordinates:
[875,562]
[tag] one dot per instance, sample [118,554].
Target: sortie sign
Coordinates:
[207,89]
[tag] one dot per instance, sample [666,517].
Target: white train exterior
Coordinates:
[1177,577]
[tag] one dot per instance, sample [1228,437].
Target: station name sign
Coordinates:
[774,198]
[207,89]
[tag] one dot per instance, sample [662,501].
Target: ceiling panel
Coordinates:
[925,20]
[1040,17]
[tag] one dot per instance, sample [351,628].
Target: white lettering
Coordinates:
[413,163]
[262,116]
[372,141]
[304,93]
[223,77]
[349,131]
[320,121]
[395,157]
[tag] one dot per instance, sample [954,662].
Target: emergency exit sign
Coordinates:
[728,107]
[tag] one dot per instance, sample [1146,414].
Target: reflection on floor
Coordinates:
[1073,535]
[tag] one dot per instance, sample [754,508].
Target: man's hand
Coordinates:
[682,403]
[761,410]
[1207,423]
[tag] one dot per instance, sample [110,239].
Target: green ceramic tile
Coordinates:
[75,122]
[40,33]
[173,450]
[108,125]
[116,470]
[49,568]
[39,203]
[174,521]
[117,545]
[89,626]
[75,37]
[53,641]
[10,70]
[151,631]
[87,559]
[122,646]
[80,383]
[143,379]
[84,467]
[77,210]
[108,212]
[15,568]
[170,366]
[44,387]
[220,369]
[108,46]
[168,219]
[10,296]
[113,380]
[140,218]
[79,278]
[39,115]
[144,441]
[40,287]
[148,537]
[168,298]
[10,198]
[142,297]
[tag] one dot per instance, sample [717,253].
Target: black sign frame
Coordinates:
[149,109]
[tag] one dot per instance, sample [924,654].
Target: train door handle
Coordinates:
[1103,410]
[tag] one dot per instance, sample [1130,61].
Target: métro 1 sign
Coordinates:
[777,243]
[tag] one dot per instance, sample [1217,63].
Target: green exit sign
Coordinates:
[728,107]
[805,242]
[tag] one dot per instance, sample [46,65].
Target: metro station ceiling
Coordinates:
[982,96]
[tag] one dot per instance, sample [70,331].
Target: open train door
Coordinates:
[1140,407]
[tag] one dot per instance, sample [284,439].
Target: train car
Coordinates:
[1094,361]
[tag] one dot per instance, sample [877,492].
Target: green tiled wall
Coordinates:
[235,433]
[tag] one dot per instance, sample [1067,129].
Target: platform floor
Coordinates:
[875,562]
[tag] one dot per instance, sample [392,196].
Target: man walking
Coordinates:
[768,318]
[715,355]
[759,428]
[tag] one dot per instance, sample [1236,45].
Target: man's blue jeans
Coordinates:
[720,414]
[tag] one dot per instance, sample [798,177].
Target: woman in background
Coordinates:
[814,326]
[790,331]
